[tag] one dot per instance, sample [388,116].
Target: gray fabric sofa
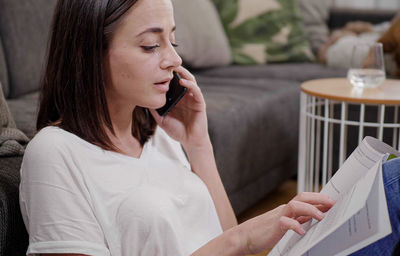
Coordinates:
[253,115]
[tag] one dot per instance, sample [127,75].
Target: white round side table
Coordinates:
[324,107]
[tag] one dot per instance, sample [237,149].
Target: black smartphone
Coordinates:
[173,95]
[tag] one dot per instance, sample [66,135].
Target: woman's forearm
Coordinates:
[203,164]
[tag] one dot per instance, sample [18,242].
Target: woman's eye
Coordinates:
[150,47]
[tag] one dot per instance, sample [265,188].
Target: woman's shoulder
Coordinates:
[48,137]
[46,152]
[50,143]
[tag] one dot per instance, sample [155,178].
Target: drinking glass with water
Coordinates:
[367,65]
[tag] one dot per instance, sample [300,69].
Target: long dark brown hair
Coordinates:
[73,84]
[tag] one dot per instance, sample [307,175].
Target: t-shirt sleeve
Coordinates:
[55,203]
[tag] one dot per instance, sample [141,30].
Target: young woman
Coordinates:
[105,174]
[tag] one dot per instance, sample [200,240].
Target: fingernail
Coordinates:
[302,232]
[320,214]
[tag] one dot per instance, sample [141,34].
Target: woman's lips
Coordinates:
[162,87]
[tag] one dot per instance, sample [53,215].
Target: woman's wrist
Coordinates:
[237,240]
[240,238]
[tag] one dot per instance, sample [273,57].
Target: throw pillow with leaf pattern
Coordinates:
[264,31]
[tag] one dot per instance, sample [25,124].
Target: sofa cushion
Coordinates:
[262,31]
[315,14]
[24,110]
[24,27]
[3,71]
[287,71]
[200,35]
[254,120]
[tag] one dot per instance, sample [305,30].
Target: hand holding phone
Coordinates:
[173,95]
[188,126]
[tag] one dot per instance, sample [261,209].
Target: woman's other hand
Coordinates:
[187,121]
[264,231]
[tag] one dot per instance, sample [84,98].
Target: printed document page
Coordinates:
[351,204]
[368,225]
[357,164]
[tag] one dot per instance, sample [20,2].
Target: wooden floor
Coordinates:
[280,196]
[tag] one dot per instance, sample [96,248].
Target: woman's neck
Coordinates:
[122,138]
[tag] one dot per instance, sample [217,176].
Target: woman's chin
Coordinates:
[157,104]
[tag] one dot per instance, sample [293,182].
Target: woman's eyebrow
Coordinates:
[154,30]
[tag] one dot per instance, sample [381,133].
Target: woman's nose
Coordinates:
[171,59]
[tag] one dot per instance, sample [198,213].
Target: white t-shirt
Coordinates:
[78,198]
